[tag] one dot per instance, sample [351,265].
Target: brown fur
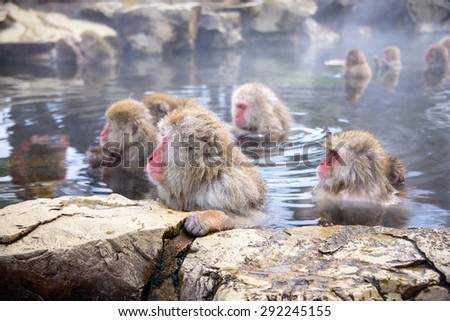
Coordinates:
[96,50]
[368,172]
[161,104]
[437,57]
[133,118]
[437,61]
[233,185]
[391,59]
[356,65]
[267,114]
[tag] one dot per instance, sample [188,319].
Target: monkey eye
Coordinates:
[331,157]
[241,106]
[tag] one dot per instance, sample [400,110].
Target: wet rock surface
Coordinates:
[220,30]
[27,32]
[81,248]
[113,248]
[154,28]
[319,263]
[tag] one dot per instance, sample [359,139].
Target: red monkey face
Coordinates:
[241,110]
[324,170]
[155,163]
[105,133]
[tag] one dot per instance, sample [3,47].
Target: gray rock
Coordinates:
[430,15]
[281,16]
[220,30]
[318,263]
[81,248]
[28,32]
[154,28]
[93,248]
[316,32]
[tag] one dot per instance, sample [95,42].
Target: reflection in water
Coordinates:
[354,88]
[49,123]
[390,79]
[130,182]
[435,78]
[346,213]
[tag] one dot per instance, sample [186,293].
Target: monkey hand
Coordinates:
[206,222]
[324,222]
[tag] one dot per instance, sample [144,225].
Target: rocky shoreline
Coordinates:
[155,28]
[93,248]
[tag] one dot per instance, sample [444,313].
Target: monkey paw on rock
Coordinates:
[206,222]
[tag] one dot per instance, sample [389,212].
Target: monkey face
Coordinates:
[157,162]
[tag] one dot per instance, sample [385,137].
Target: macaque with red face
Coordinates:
[358,177]
[436,57]
[391,59]
[161,104]
[357,168]
[437,69]
[256,109]
[356,65]
[390,67]
[127,138]
[198,167]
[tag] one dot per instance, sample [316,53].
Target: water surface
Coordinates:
[48,120]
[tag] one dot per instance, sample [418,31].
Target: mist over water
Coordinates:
[65,114]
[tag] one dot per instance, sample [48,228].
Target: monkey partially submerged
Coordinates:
[161,104]
[128,137]
[357,174]
[198,167]
[256,109]
[356,65]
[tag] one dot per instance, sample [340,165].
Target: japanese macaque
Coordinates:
[391,59]
[356,65]
[436,72]
[390,67]
[160,104]
[127,138]
[357,174]
[198,167]
[256,109]
[96,50]
[91,50]
[357,168]
[67,51]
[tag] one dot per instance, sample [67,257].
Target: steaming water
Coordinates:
[49,119]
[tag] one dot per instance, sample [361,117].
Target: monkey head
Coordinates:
[356,167]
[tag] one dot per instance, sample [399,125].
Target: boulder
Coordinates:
[87,248]
[281,16]
[220,30]
[429,15]
[154,28]
[317,32]
[27,32]
[318,263]
[113,248]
